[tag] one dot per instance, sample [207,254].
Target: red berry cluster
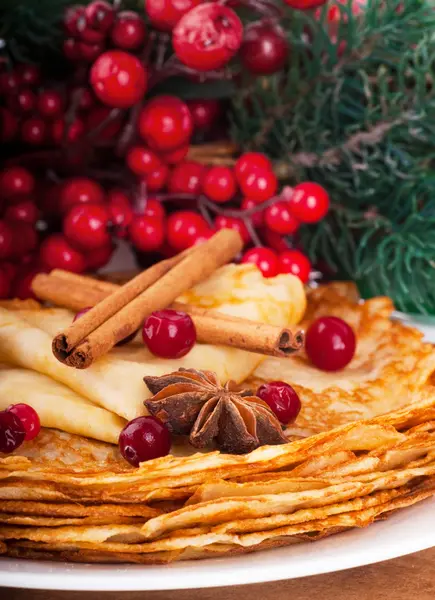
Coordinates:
[18,423]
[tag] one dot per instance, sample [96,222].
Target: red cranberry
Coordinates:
[264,258]
[86,226]
[8,125]
[22,284]
[75,131]
[24,210]
[207,37]
[265,48]
[33,131]
[165,123]
[118,79]
[75,20]
[50,103]
[24,238]
[165,14]
[175,156]
[120,212]
[99,257]
[29,419]
[12,432]
[169,333]
[6,240]
[9,83]
[156,180]
[80,190]
[330,343]
[282,400]
[86,99]
[257,218]
[154,208]
[204,112]
[296,263]
[309,202]
[142,161]
[57,253]
[259,185]
[100,15]
[5,283]
[183,228]
[90,52]
[274,240]
[223,222]
[146,233]
[219,184]
[9,269]
[250,162]
[186,178]
[279,218]
[28,74]
[144,438]
[129,31]
[23,102]
[15,181]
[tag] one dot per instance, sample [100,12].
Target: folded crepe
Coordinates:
[58,406]
[115,382]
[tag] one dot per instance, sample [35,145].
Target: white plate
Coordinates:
[407,531]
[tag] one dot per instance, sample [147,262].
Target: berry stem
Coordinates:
[114,114]
[162,46]
[129,131]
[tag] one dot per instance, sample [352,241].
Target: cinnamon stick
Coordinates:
[121,313]
[212,327]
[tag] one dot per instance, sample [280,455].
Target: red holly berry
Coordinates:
[305,4]
[296,263]
[6,240]
[57,253]
[250,162]
[33,131]
[207,37]
[28,74]
[129,31]
[15,181]
[90,52]
[86,226]
[309,202]
[223,222]
[5,282]
[175,156]
[99,257]
[219,184]
[330,343]
[264,258]
[22,102]
[118,79]
[86,99]
[154,208]
[95,119]
[169,333]
[187,178]
[100,15]
[146,233]
[279,218]
[142,161]
[143,438]
[165,14]
[274,240]
[71,49]
[75,20]
[9,83]
[156,180]
[265,48]
[165,123]
[50,103]
[75,131]
[184,227]
[24,210]
[120,212]
[282,400]
[257,218]
[204,112]
[259,185]
[80,190]
[8,125]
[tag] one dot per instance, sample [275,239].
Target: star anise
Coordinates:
[194,403]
